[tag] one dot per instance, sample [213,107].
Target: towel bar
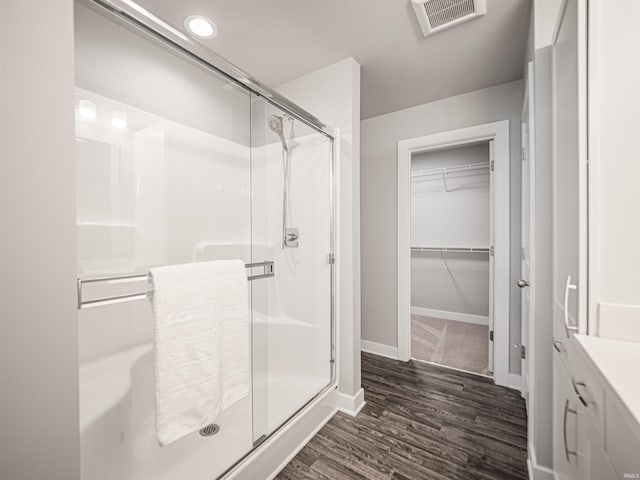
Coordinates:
[268,271]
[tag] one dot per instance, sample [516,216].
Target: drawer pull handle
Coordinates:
[556,345]
[575,389]
[567,287]
[567,452]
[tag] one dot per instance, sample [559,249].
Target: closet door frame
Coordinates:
[497,133]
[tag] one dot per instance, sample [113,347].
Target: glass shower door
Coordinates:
[291,203]
[163,174]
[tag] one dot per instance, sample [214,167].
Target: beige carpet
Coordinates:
[453,344]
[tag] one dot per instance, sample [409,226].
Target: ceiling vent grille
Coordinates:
[437,15]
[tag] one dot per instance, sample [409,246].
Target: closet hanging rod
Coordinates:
[452,249]
[447,170]
[268,266]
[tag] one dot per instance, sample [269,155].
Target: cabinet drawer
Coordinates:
[595,464]
[589,388]
[622,439]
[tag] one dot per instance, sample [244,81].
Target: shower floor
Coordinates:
[450,343]
[117,421]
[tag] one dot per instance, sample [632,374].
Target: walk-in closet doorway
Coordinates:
[453,249]
[451,264]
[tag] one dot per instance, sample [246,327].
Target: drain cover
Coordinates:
[209,430]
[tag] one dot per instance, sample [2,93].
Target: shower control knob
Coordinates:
[523,283]
[291,237]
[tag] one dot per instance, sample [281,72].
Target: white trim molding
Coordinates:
[515,381]
[537,472]
[351,405]
[498,132]
[454,316]
[277,451]
[379,349]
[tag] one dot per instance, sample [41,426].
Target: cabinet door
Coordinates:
[569,174]
[595,464]
[565,424]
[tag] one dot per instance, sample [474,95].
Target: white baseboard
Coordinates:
[379,349]
[276,452]
[515,381]
[455,316]
[351,405]
[537,472]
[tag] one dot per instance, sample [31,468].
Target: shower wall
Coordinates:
[193,175]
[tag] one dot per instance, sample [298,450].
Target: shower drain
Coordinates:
[209,430]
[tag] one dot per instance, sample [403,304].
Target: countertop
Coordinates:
[619,363]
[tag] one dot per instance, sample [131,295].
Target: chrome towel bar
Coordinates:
[451,249]
[268,271]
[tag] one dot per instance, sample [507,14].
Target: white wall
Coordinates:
[614,209]
[379,197]
[458,216]
[541,373]
[545,17]
[333,95]
[38,329]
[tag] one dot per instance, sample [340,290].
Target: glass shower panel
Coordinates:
[163,171]
[291,182]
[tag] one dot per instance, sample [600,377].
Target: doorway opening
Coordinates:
[454,249]
[451,263]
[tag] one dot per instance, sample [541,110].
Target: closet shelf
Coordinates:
[448,170]
[443,173]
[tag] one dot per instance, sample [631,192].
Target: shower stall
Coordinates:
[180,158]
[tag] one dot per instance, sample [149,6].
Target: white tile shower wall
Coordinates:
[177,170]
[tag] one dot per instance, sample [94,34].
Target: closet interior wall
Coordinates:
[451,214]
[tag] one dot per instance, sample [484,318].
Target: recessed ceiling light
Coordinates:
[200,26]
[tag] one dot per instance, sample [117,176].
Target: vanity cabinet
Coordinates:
[595,463]
[596,413]
[596,391]
[565,423]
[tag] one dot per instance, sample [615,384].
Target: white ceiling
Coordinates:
[279,40]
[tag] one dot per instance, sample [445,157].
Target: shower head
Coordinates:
[275,124]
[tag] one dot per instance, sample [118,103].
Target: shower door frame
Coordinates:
[130,15]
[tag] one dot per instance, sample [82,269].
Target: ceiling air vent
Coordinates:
[438,15]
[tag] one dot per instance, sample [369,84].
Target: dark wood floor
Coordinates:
[420,422]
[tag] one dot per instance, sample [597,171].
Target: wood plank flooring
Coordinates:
[421,422]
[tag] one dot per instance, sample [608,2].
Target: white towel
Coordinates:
[201,336]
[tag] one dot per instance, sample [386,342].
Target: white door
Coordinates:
[526,282]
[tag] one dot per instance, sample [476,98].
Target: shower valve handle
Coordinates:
[291,237]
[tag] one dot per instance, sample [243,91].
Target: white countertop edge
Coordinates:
[619,364]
